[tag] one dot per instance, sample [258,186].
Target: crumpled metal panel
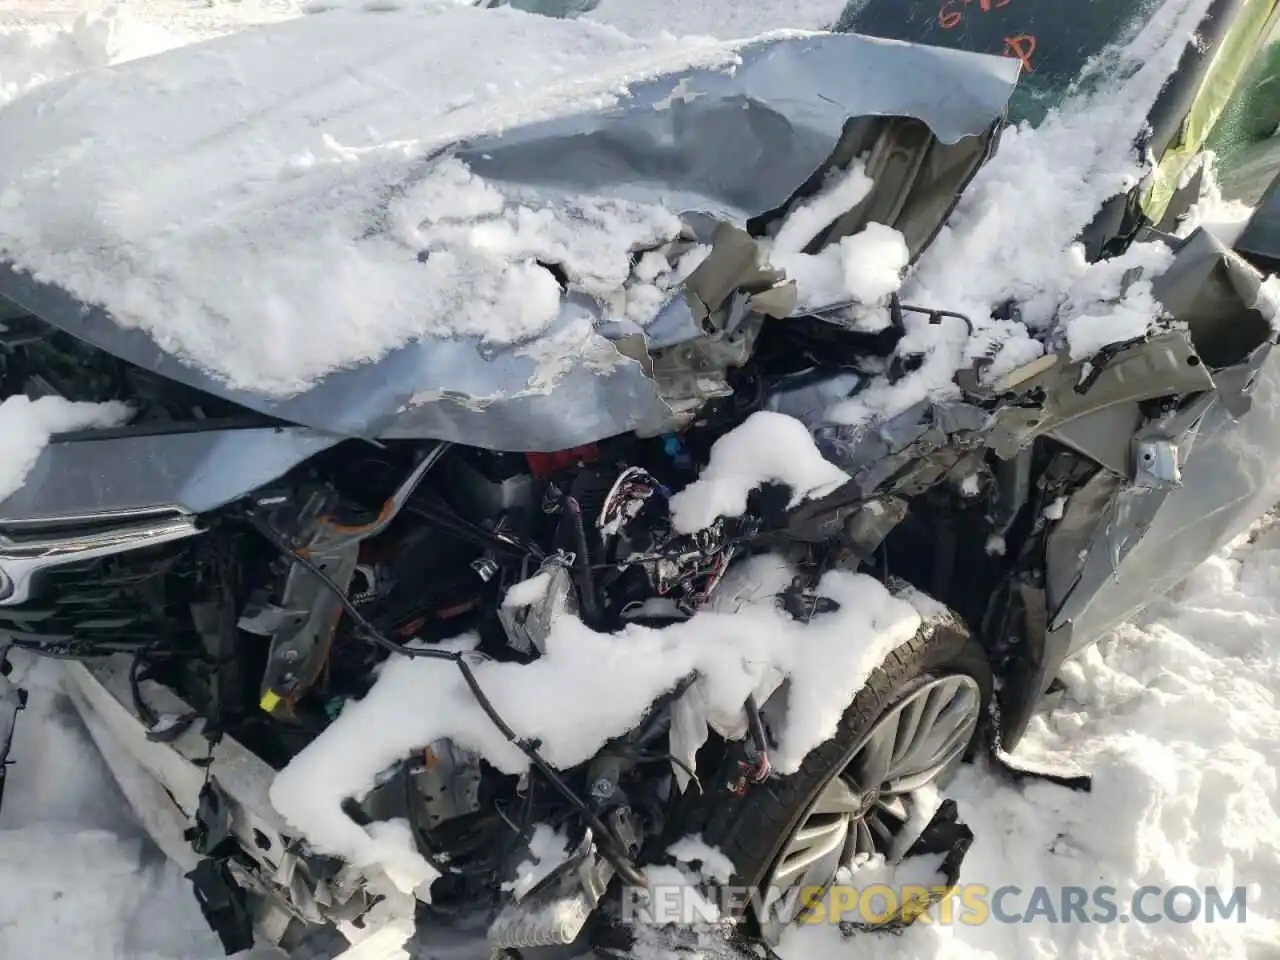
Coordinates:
[730,144]
[1112,556]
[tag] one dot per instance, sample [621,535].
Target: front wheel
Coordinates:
[907,730]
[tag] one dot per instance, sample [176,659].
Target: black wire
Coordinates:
[140,705]
[41,650]
[476,535]
[611,847]
[586,579]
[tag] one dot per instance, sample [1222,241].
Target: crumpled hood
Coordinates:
[216,243]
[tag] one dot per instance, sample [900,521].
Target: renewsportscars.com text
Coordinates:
[970,904]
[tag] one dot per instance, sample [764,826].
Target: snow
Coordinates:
[767,447]
[548,848]
[34,56]
[1111,301]
[395,849]
[527,592]
[803,224]
[1225,219]
[588,687]
[874,259]
[865,267]
[711,862]
[263,258]
[26,425]
[78,876]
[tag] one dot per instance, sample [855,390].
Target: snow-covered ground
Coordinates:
[1178,715]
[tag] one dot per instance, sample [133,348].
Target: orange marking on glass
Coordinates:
[1021,47]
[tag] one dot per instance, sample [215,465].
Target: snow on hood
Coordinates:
[359,214]
[30,58]
[242,230]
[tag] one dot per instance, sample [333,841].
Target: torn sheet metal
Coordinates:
[1188,479]
[730,143]
[1092,405]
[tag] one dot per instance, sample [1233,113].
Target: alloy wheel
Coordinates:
[919,741]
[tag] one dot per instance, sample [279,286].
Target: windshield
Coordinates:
[1246,139]
[1055,40]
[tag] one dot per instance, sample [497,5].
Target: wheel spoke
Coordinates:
[839,797]
[817,840]
[871,767]
[904,738]
[937,747]
[865,840]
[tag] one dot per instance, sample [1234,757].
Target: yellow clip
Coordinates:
[270,700]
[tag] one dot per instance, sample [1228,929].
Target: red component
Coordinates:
[545,464]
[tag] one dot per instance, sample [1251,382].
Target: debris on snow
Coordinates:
[78,876]
[767,447]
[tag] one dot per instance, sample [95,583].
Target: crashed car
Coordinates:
[465,514]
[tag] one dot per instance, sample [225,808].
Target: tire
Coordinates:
[754,831]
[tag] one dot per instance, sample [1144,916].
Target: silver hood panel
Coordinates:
[186,472]
[732,144]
